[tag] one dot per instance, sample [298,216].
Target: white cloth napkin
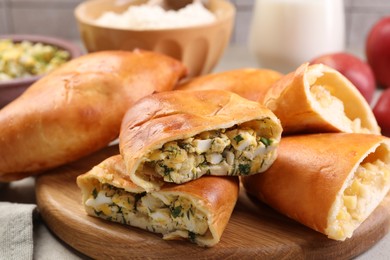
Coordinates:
[16,231]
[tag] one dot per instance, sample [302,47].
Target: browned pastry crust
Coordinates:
[329,182]
[316,99]
[214,197]
[78,108]
[163,117]
[247,82]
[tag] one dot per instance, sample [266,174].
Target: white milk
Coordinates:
[287,33]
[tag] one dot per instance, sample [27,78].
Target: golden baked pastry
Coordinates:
[329,182]
[198,211]
[78,108]
[178,136]
[316,98]
[249,83]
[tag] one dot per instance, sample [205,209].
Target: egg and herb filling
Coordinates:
[155,212]
[363,193]
[236,151]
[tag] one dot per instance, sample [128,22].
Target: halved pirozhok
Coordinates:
[197,211]
[328,182]
[317,99]
[179,136]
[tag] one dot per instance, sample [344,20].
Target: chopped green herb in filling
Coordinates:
[97,213]
[239,150]
[157,213]
[175,212]
[244,168]
[266,141]
[191,236]
[238,139]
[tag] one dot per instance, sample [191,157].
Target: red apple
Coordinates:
[378,51]
[382,112]
[354,69]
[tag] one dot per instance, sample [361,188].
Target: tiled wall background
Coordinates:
[360,17]
[55,17]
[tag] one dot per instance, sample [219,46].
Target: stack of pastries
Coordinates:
[185,146]
[181,153]
[333,165]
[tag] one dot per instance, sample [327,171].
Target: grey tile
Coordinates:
[360,17]
[361,23]
[3,17]
[348,3]
[348,6]
[372,9]
[348,25]
[372,6]
[242,26]
[244,3]
[43,2]
[371,3]
[58,22]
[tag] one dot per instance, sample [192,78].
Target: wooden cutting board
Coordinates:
[254,230]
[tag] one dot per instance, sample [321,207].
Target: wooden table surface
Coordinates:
[254,230]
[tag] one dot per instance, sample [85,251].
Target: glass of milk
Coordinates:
[286,33]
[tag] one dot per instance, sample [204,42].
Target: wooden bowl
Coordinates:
[198,47]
